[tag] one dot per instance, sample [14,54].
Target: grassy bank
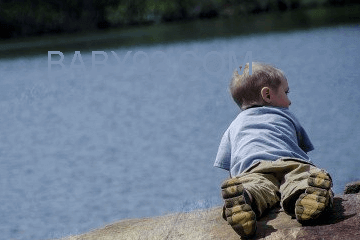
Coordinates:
[181,31]
[23,18]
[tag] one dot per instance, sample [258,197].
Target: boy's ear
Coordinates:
[265,94]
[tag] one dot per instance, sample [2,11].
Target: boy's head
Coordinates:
[266,86]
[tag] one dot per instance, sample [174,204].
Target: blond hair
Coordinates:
[246,89]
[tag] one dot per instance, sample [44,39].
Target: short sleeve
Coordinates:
[302,137]
[304,141]
[223,156]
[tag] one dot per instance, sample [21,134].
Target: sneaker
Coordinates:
[317,199]
[237,208]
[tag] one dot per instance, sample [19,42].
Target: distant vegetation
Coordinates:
[20,18]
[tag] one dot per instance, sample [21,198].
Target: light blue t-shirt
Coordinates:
[262,133]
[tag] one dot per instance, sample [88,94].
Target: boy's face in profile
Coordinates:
[280,97]
[277,97]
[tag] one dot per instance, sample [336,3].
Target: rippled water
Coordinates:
[79,150]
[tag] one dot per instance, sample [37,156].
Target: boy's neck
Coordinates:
[252,106]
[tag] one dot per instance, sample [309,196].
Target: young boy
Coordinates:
[264,149]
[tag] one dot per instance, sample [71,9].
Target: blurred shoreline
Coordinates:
[35,18]
[181,31]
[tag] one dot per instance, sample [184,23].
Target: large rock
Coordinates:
[343,222]
[353,187]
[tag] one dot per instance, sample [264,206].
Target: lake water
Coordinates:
[82,149]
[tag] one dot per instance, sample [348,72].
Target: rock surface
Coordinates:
[342,222]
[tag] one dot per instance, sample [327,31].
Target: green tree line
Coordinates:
[20,18]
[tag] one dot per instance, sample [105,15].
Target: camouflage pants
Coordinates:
[282,180]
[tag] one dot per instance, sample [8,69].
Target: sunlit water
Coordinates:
[82,149]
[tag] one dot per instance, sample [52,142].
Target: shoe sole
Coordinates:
[316,199]
[238,213]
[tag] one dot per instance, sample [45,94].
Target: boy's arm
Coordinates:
[302,137]
[304,140]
